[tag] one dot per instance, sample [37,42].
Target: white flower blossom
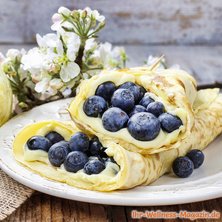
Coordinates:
[33,60]
[48,87]
[15,53]
[69,71]
[72,42]
[94,13]
[50,40]
[51,69]
[91,44]
[107,56]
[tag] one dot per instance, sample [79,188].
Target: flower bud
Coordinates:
[13,54]
[75,14]
[64,11]
[84,14]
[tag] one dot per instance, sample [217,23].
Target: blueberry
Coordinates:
[156,108]
[94,146]
[39,143]
[54,137]
[94,106]
[169,122]
[137,91]
[143,126]
[183,167]
[197,157]
[124,99]
[58,153]
[146,100]
[114,119]
[94,167]
[106,90]
[137,109]
[79,142]
[75,161]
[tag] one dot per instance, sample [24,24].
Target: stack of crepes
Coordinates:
[141,162]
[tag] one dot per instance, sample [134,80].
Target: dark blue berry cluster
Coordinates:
[128,105]
[184,166]
[80,152]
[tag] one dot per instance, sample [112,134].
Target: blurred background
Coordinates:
[188,32]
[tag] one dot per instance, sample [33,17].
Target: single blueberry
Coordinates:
[39,143]
[94,106]
[75,161]
[94,167]
[197,157]
[58,153]
[142,92]
[106,90]
[183,167]
[114,119]
[124,99]
[169,122]
[94,146]
[146,100]
[137,109]
[156,108]
[137,91]
[54,137]
[143,126]
[79,142]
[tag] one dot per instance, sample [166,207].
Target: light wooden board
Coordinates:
[128,21]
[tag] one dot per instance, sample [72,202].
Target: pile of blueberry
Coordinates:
[184,166]
[78,153]
[128,105]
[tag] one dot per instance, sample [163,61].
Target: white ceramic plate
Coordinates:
[205,183]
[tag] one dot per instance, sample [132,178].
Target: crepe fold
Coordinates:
[132,170]
[207,126]
[174,88]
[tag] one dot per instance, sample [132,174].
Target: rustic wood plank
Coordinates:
[98,212]
[57,209]
[171,22]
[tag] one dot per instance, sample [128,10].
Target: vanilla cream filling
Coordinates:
[38,155]
[42,156]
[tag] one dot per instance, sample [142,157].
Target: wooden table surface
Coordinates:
[205,63]
[42,207]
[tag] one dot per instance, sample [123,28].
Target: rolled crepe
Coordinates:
[134,168]
[130,171]
[207,125]
[174,88]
